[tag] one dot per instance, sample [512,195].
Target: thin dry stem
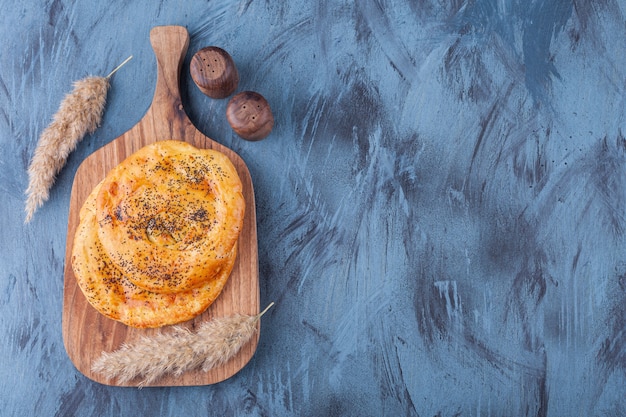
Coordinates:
[118,67]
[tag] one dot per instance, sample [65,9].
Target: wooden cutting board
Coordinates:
[87,333]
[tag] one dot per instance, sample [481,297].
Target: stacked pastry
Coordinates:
[157,238]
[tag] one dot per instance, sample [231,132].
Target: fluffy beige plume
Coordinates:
[79,113]
[179,350]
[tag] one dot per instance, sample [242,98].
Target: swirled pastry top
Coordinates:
[170,214]
[111,293]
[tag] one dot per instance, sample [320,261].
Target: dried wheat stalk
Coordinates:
[179,350]
[79,113]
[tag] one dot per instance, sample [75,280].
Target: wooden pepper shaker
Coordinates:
[250,116]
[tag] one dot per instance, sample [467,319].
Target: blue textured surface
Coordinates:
[441,205]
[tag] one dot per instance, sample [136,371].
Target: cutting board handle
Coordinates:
[170,45]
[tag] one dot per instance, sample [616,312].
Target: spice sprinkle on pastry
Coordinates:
[157,238]
[169,215]
[111,293]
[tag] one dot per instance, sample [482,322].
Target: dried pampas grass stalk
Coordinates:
[80,112]
[178,351]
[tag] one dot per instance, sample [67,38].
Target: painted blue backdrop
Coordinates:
[441,205]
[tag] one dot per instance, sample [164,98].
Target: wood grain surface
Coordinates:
[86,332]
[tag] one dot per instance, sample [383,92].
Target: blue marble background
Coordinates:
[441,205]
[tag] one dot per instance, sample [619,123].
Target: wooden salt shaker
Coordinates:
[214,72]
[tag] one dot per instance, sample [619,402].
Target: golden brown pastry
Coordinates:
[110,291]
[170,214]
